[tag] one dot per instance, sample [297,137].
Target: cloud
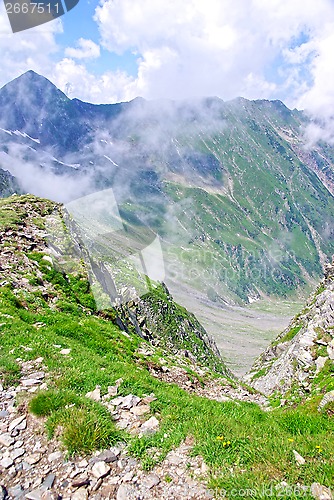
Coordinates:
[31,49]
[86,49]
[76,81]
[318,99]
[214,47]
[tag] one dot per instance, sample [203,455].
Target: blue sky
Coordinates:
[114,50]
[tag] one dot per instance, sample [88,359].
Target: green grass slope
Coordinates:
[40,309]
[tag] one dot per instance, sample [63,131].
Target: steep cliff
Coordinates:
[300,362]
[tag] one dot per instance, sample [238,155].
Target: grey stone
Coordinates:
[16,422]
[94,395]
[48,482]
[6,462]
[4,414]
[16,453]
[53,457]
[107,456]
[34,494]
[33,458]
[100,469]
[124,492]
[3,492]
[151,480]
[130,401]
[150,426]
[6,439]
[321,492]
[80,494]
[80,481]
[16,491]
[299,459]
[140,410]
[29,382]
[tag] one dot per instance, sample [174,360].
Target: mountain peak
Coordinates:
[32,81]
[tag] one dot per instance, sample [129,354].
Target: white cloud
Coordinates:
[214,47]
[86,49]
[31,49]
[76,81]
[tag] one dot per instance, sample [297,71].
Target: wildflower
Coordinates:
[220,438]
[290,440]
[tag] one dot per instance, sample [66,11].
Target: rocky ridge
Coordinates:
[301,359]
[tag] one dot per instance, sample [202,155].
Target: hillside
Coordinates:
[242,208]
[91,407]
[300,362]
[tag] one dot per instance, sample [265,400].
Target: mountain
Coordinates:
[130,401]
[8,184]
[243,209]
[300,362]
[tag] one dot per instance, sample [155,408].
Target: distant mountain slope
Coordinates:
[8,184]
[244,211]
[300,362]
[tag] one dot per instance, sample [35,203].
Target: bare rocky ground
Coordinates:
[36,468]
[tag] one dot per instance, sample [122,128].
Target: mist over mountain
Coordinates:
[243,208]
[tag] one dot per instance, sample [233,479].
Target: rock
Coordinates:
[16,422]
[4,414]
[204,468]
[16,453]
[3,492]
[330,350]
[321,492]
[80,481]
[48,482]
[6,439]
[124,492]
[130,401]
[38,375]
[16,491]
[174,459]
[80,494]
[320,363]
[33,459]
[34,494]
[65,352]
[299,459]
[100,469]
[29,382]
[6,462]
[150,426]
[83,464]
[149,399]
[95,395]
[151,480]
[96,485]
[140,410]
[53,457]
[107,456]
[48,259]
[112,390]
[328,397]
[117,401]
[128,477]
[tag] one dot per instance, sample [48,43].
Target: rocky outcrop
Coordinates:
[155,317]
[301,360]
[8,184]
[158,318]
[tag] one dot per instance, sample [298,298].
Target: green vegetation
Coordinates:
[289,335]
[260,443]
[244,446]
